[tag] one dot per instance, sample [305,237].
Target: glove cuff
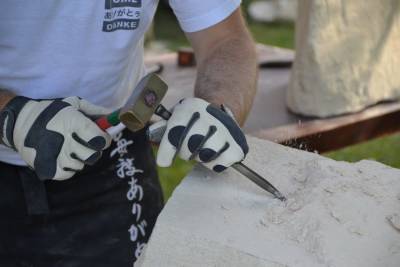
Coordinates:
[8,117]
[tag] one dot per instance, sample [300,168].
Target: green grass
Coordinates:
[166,29]
[384,149]
[277,34]
[172,176]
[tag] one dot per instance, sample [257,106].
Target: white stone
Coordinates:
[342,215]
[273,10]
[347,56]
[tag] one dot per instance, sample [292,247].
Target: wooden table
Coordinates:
[270,119]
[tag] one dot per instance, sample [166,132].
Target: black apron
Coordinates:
[103,216]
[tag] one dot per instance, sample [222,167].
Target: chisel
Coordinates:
[156,133]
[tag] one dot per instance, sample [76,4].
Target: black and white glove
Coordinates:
[54,137]
[204,132]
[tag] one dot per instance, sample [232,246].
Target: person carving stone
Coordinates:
[70,194]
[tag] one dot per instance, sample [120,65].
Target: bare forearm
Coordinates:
[228,76]
[5,97]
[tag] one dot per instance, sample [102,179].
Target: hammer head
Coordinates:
[143,102]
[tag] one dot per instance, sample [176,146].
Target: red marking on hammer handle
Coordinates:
[108,121]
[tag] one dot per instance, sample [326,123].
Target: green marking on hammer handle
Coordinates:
[113,118]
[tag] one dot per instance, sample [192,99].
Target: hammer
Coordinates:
[146,101]
[139,108]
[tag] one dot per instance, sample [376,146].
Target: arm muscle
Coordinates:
[227,69]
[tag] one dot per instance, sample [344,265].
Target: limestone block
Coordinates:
[337,214]
[347,56]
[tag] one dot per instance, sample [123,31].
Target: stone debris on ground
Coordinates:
[337,214]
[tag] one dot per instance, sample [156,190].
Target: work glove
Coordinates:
[198,130]
[55,137]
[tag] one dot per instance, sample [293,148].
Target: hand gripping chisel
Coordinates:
[146,101]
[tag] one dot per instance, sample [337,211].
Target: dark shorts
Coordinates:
[103,216]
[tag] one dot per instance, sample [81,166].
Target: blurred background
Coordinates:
[270,23]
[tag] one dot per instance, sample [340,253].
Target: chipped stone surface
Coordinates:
[342,214]
[394,220]
[347,56]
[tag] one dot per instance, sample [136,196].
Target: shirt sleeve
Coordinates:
[196,15]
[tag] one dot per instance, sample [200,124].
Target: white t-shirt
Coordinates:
[87,48]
